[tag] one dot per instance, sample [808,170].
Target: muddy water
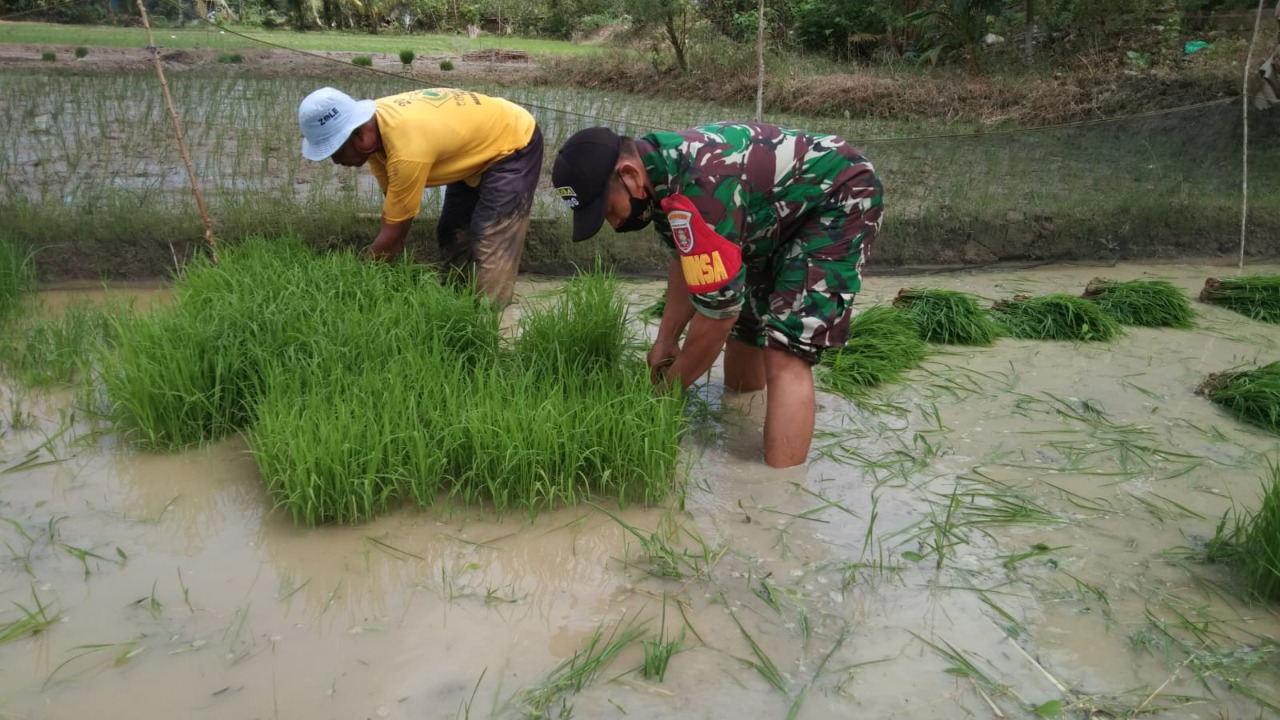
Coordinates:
[866,578]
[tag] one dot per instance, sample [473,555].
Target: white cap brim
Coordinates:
[317,151]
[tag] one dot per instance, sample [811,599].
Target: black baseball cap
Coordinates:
[581,175]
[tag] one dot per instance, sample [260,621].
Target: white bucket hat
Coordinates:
[327,118]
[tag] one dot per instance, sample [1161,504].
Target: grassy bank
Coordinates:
[95,185]
[197,36]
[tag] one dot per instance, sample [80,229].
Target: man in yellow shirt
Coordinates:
[485,151]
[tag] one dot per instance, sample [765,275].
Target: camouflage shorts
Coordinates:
[801,301]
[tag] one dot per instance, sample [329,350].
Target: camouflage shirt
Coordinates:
[754,184]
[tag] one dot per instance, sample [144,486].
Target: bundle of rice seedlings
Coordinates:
[1144,303]
[883,345]
[1251,395]
[1252,542]
[1256,296]
[1054,317]
[17,278]
[947,317]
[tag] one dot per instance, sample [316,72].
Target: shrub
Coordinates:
[81,51]
[48,56]
[362,61]
[446,65]
[406,57]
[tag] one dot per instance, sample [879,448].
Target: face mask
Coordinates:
[641,211]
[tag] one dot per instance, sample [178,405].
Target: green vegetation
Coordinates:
[446,65]
[315,40]
[57,350]
[17,278]
[947,317]
[406,57]
[1251,542]
[48,56]
[230,58]
[361,385]
[81,51]
[1255,296]
[1251,395]
[1144,303]
[1055,317]
[362,61]
[884,343]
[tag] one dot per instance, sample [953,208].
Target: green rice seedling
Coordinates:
[947,317]
[362,61]
[17,278]
[658,650]
[653,311]
[48,56]
[446,65]
[1255,296]
[1250,542]
[1055,317]
[575,673]
[57,350]
[230,58]
[1251,395]
[406,57]
[586,333]
[81,51]
[1143,303]
[884,343]
[35,620]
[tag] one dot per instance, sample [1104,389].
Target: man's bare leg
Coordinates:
[789,415]
[743,367]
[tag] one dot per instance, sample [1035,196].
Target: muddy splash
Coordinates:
[998,536]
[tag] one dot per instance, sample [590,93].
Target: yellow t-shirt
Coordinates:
[440,136]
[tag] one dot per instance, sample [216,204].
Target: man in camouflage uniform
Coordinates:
[769,229]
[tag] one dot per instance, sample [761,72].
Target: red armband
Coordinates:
[707,260]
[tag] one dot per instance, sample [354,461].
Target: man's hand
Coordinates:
[390,241]
[661,355]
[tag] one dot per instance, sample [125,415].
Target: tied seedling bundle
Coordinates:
[1255,296]
[1054,317]
[1251,395]
[1142,303]
[946,316]
[364,385]
[884,343]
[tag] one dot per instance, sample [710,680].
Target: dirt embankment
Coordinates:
[942,95]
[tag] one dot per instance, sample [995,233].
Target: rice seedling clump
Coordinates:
[947,317]
[1251,395]
[362,385]
[1252,543]
[1143,303]
[884,344]
[57,350]
[1055,317]
[1255,296]
[17,278]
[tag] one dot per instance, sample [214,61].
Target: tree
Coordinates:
[673,16]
